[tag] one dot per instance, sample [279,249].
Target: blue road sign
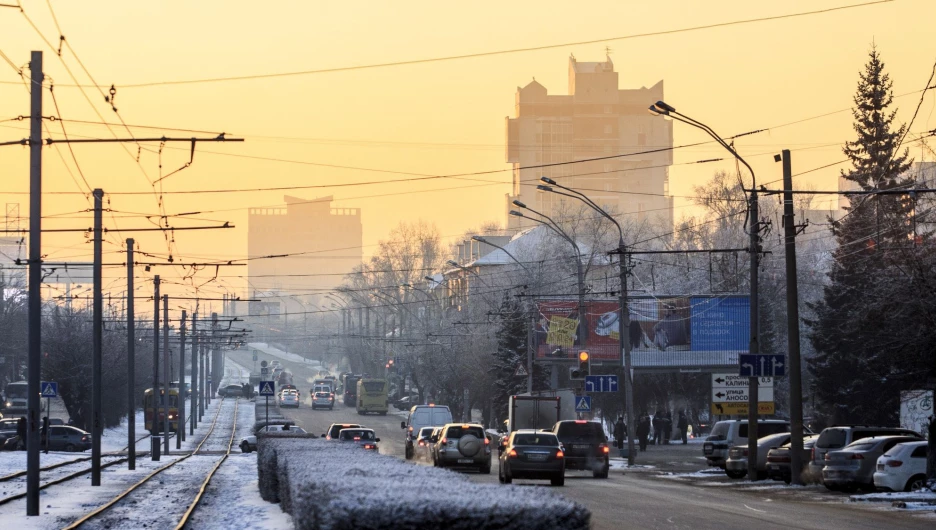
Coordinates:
[48,389]
[762,365]
[582,403]
[601,383]
[266,388]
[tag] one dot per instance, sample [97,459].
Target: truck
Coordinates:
[541,410]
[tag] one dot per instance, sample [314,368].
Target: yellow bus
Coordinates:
[372,396]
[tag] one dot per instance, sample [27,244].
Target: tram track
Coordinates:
[57,465]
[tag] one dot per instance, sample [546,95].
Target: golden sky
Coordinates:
[433,118]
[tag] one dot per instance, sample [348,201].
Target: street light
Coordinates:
[796,435]
[624,317]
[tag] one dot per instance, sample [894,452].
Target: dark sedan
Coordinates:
[67,438]
[231,391]
[531,454]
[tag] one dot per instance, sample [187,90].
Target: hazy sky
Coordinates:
[435,118]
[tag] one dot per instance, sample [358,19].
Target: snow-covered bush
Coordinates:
[326,485]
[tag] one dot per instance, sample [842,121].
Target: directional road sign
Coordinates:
[741,409]
[48,389]
[266,388]
[762,365]
[601,383]
[730,388]
[264,371]
[582,403]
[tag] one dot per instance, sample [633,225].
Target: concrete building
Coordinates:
[599,135]
[323,244]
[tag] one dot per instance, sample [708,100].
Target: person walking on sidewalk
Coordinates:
[683,425]
[643,430]
[657,423]
[619,433]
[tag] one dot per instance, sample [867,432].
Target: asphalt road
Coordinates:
[647,499]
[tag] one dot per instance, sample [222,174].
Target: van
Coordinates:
[729,433]
[838,436]
[423,416]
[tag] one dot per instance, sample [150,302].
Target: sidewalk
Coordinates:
[671,458]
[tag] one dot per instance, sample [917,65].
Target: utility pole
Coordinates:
[755,344]
[131,364]
[793,337]
[215,376]
[204,377]
[192,423]
[180,424]
[166,373]
[97,425]
[154,420]
[35,284]
[624,337]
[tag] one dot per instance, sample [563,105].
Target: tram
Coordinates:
[153,409]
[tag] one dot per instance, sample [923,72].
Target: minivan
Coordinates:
[423,416]
[729,433]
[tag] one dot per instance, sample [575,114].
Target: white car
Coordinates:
[902,468]
[249,443]
[289,398]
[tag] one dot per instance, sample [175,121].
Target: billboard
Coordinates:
[664,332]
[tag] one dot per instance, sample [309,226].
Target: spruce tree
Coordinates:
[511,352]
[856,379]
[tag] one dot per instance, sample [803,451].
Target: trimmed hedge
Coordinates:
[327,485]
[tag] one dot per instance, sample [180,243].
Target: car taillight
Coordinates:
[512,453]
[580,421]
[857,456]
[84,438]
[812,454]
[604,448]
[486,441]
[827,457]
[559,454]
[444,441]
[894,463]
[370,446]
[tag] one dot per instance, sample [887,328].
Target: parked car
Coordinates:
[779,460]
[531,454]
[422,444]
[7,430]
[335,428]
[463,445]
[729,433]
[838,436]
[902,468]
[325,400]
[422,416]
[585,446]
[67,438]
[433,444]
[289,398]
[249,443]
[230,391]
[737,464]
[365,438]
[853,467]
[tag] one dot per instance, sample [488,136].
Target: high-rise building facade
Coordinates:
[321,244]
[598,139]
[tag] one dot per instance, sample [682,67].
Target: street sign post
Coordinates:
[762,365]
[48,390]
[601,383]
[267,389]
[582,403]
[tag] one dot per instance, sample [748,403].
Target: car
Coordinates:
[853,467]
[902,468]
[463,445]
[404,403]
[7,429]
[422,444]
[289,398]
[231,391]
[432,443]
[67,438]
[531,454]
[422,416]
[249,443]
[335,428]
[839,436]
[729,433]
[585,445]
[737,464]
[364,438]
[325,400]
[779,460]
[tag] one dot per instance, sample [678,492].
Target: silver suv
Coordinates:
[727,434]
[463,445]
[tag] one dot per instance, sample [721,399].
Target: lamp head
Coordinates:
[543,187]
[515,213]
[664,106]
[479,239]
[656,111]
[453,263]
[548,180]
[518,203]
[430,278]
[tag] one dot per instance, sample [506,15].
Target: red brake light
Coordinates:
[559,454]
[827,457]
[444,441]
[604,449]
[857,456]
[580,421]
[894,463]
[486,441]
[512,453]
[357,438]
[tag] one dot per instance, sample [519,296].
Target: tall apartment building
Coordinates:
[324,242]
[596,120]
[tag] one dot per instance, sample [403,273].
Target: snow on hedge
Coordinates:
[327,485]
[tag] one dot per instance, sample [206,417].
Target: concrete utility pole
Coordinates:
[195,354]
[180,425]
[793,337]
[35,284]
[754,344]
[97,423]
[154,419]
[131,363]
[166,373]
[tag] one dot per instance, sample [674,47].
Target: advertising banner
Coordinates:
[683,331]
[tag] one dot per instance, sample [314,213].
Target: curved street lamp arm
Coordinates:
[699,125]
[587,200]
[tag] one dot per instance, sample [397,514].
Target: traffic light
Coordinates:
[583,368]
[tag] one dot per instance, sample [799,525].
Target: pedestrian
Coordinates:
[21,432]
[620,430]
[683,425]
[667,426]
[643,430]
[657,423]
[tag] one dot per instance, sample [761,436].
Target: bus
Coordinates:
[15,399]
[372,396]
[153,410]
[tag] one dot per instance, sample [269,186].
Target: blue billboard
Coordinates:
[720,324]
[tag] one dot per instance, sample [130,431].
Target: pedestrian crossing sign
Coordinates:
[48,389]
[582,403]
[521,371]
[266,388]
